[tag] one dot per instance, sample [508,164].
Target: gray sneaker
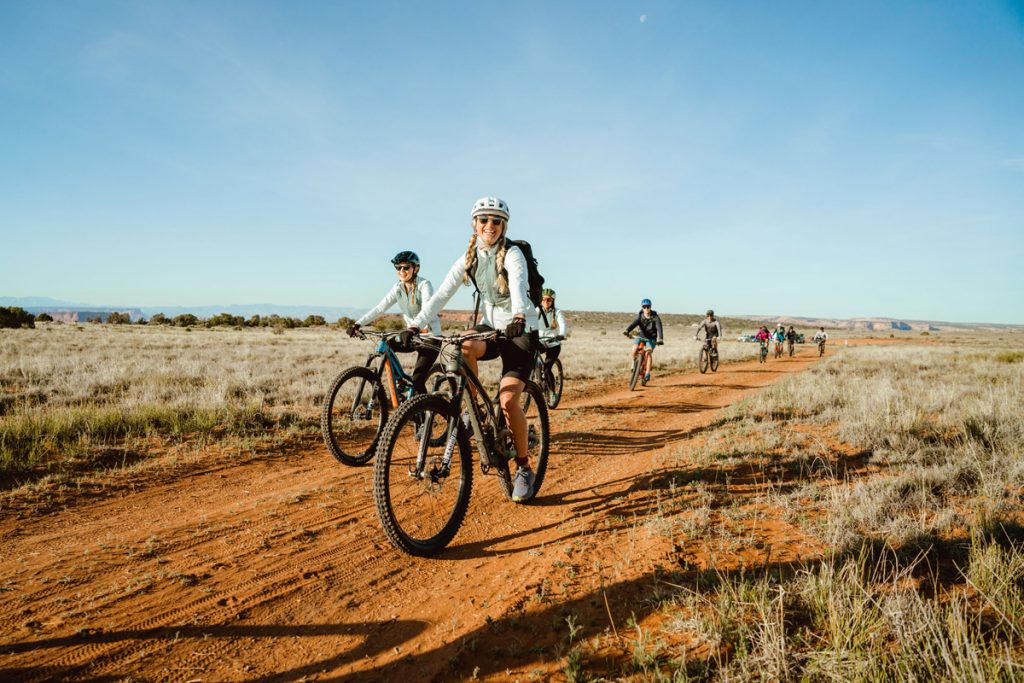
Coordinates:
[522,489]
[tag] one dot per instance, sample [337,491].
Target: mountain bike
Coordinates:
[764,351]
[636,370]
[821,348]
[790,347]
[550,383]
[357,405]
[424,470]
[778,349]
[708,357]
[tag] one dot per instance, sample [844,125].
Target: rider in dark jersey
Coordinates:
[651,334]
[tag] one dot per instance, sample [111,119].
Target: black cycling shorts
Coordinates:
[516,353]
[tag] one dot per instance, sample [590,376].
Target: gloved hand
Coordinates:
[405,336]
[661,342]
[560,338]
[353,329]
[515,328]
[625,334]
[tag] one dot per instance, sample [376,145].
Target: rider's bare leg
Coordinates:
[648,360]
[508,395]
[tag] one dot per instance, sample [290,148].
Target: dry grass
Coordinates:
[70,392]
[904,463]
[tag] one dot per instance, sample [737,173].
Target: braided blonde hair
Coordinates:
[499,262]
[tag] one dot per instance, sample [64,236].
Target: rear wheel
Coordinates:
[354,413]
[538,439]
[421,510]
[714,360]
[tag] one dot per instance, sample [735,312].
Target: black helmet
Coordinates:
[406,257]
[711,313]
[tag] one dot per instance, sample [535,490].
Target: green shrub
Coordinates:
[314,321]
[119,318]
[185,320]
[44,318]
[15,317]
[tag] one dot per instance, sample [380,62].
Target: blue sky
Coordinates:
[821,158]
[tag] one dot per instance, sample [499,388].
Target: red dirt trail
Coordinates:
[275,567]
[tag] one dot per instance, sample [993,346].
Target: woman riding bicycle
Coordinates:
[409,293]
[763,336]
[651,333]
[498,271]
[779,336]
[552,331]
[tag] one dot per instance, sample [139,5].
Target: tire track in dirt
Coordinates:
[343,586]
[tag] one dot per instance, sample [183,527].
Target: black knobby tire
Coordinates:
[350,431]
[406,505]
[554,390]
[537,418]
[714,360]
[703,362]
[821,350]
[638,364]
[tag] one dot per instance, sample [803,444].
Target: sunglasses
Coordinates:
[645,306]
[404,267]
[496,221]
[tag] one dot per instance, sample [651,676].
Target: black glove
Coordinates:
[560,338]
[625,334]
[515,328]
[353,330]
[661,342]
[405,336]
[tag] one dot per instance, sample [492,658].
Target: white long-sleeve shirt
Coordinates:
[498,309]
[555,327]
[409,309]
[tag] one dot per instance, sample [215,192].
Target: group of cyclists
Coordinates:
[498,271]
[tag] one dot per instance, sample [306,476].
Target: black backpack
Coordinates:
[535,281]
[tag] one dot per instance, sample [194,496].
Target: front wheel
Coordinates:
[638,364]
[538,439]
[703,363]
[353,415]
[421,501]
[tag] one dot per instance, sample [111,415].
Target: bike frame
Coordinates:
[455,367]
[390,371]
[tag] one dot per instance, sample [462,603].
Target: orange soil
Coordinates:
[275,567]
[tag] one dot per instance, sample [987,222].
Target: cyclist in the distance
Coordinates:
[820,337]
[779,336]
[552,331]
[790,339]
[651,334]
[409,293]
[712,329]
[498,271]
[763,336]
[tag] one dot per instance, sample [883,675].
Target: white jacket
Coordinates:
[498,309]
[410,310]
[556,327]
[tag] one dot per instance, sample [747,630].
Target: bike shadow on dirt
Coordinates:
[374,637]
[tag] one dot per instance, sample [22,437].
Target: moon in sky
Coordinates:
[643,18]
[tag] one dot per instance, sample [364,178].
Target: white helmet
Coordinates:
[491,206]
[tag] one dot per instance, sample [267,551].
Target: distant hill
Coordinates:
[70,311]
[76,311]
[882,324]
